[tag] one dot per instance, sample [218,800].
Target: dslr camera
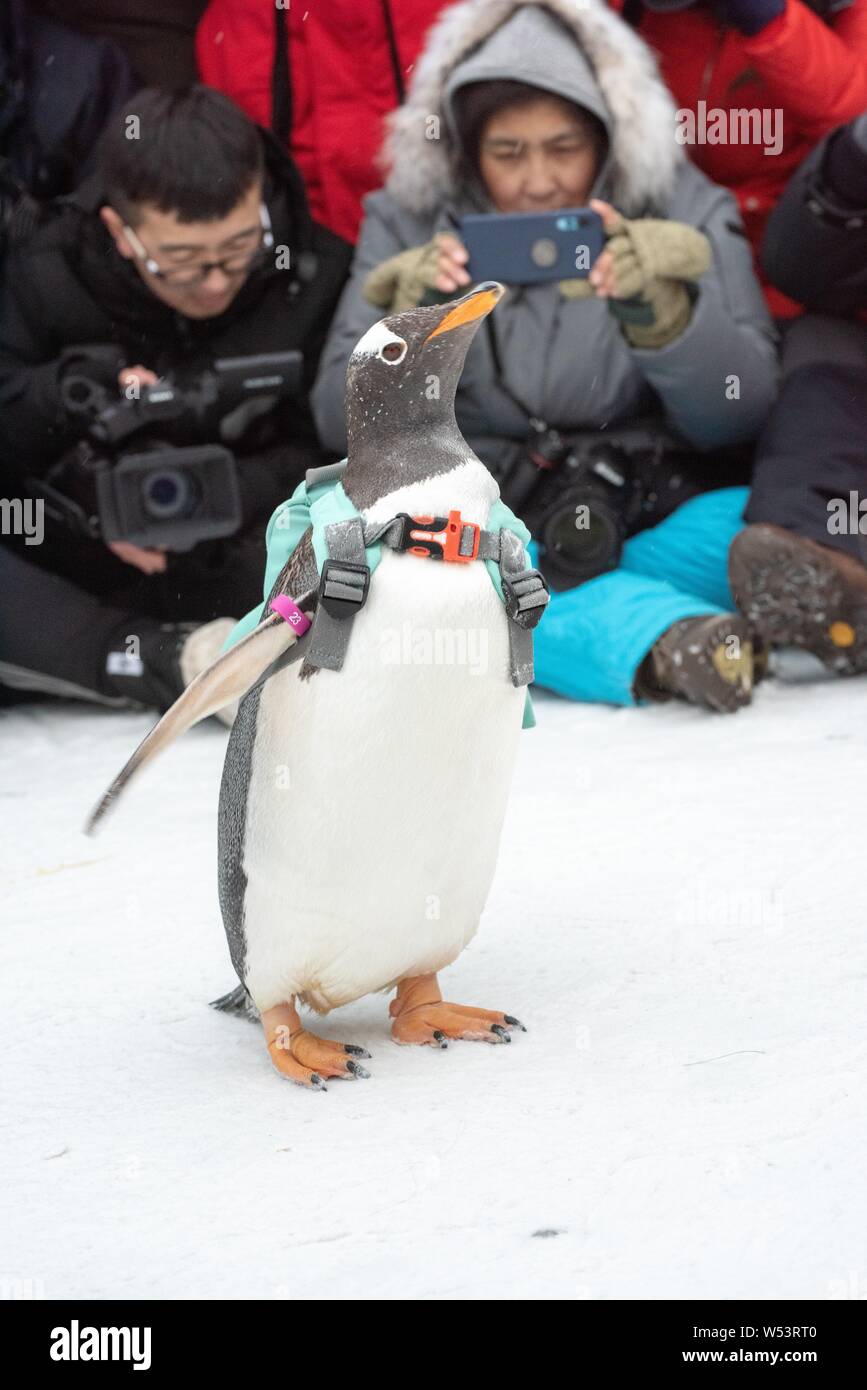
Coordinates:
[582,494]
[134,477]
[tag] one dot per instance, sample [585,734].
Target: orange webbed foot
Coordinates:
[421,1015]
[303,1057]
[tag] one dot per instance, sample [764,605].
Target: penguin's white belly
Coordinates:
[377,793]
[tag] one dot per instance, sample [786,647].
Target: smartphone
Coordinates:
[530,248]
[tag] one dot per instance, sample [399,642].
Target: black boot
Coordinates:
[59,639]
[143,665]
[166,658]
[797,593]
[706,660]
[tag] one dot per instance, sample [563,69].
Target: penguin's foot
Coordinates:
[421,1015]
[305,1058]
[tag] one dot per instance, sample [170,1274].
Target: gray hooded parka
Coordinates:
[567,360]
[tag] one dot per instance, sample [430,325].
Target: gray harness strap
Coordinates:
[342,592]
[526,598]
[524,590]
[346,577]
[328,473]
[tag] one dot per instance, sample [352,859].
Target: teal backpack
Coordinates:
[321,503]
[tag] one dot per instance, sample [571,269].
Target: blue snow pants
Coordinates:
[592,640]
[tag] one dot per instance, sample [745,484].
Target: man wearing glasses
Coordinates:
[201,289]
[192,243]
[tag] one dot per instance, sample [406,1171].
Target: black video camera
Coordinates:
[134,478]
[582,494]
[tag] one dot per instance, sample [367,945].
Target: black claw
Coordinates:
[500,1032]
[356,1069]
[316,1082]
[440,1038]
[356,1051]
[514,1022]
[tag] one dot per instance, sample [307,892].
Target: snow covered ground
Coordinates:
[679,918]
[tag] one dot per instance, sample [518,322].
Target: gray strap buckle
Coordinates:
[343,588]
[527,596]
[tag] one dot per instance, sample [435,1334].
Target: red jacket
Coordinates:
[342,78]
[816,72]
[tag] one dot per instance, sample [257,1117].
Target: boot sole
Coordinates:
[707,672]
[793,597]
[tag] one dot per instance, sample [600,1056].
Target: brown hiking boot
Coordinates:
[797,593]
[706,660]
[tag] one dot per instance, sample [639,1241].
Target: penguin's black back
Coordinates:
[231,827]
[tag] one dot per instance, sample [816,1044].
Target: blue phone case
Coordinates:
[528,248]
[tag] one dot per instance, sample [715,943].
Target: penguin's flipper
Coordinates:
[227,679]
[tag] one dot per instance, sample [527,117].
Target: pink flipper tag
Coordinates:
[290,613]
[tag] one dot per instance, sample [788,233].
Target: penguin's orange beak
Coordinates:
[473,306]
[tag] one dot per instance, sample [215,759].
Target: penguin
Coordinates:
[361,810]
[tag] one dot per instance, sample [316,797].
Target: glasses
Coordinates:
[197,274]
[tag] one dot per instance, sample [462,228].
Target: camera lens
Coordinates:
[168,493]
[584,537]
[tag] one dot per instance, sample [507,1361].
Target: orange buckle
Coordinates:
[454,532]
[437,537]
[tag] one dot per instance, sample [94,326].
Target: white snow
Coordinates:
[679,918]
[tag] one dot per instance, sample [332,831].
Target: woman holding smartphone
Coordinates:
[538,107]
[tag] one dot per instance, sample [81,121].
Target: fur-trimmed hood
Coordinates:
[609,70]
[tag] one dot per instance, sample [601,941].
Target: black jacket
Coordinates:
[58,88]
[69,286]
[815,246]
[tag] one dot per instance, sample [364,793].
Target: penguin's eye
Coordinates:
[395,351]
